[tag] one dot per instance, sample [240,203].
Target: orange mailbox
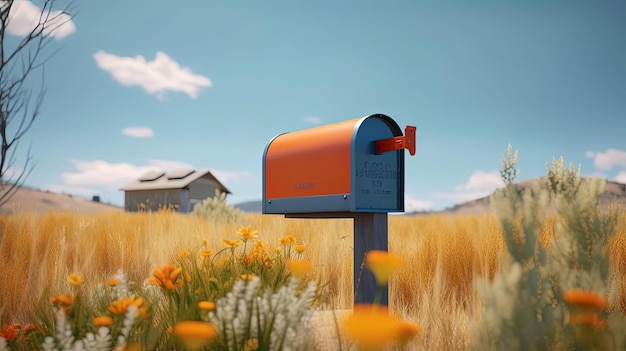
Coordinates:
[351,166]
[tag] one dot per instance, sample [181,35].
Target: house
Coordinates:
[180,189]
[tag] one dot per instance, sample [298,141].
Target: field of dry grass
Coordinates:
[435,288]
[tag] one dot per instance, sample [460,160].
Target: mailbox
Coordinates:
[351,166]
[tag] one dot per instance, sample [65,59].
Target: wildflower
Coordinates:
[247,233]
[206,252]
[407,331]
[113,282]
[371,327]
[382,263]
[247,277]
[9,331]
[120,306]
[184,253]
[298,268]
[75,279]
[278,250]
[300,248]
[585,300]
[222,262]
[231,243]
[62,300]
[287,240]
[206,305]
[205,241]
[102,321]
[195,335]
[167,277]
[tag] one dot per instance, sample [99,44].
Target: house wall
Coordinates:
[199,190]
[152,200]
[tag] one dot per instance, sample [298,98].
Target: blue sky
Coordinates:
[137,85]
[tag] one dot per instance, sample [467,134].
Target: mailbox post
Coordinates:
[351,169]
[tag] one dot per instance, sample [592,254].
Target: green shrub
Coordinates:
[216,209]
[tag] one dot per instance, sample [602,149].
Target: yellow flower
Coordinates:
[585,299]
[278,250]
[195,335]
[75,279]
[371,327]
[206,252]
[247,233]
[231,243]
[166,277]
[113,282]
[185,253]
[300,248]
[298,268]
[206,305]
[382,264]
[247,276]
[120,306]
[205,241]
[407,331]
[62,300]
[102,321]
[287,240]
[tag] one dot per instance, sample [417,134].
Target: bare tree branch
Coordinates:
[19,104]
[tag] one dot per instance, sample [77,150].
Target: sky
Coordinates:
[132,86]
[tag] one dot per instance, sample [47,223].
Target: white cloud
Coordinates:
[609,159]
[25,16]
[481,181]
[100,172]
[167,165]
[312,120]
[155,77]
[138,132]
[412,204]
[621,177]
[226,176]
[479,184]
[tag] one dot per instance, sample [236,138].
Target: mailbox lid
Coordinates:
[312,162]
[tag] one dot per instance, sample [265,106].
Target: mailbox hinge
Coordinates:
[407,141]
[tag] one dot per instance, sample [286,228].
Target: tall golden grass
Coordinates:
[435,287]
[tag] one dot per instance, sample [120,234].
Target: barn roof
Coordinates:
[178,179]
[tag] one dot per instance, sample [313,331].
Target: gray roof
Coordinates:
[178,179]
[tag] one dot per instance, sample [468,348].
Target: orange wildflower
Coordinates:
[585,299]
[120,306]
[247,276]
[247,233]
[113,282]
[206,252]
[231,243]
[298,268]
[206,305]
[287,240]
[102,321]
[371,327]
[166,277]
[9,331]
[382,264]
[300,248]
[195,335]
[75,279]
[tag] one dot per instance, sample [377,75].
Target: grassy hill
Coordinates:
[31,200]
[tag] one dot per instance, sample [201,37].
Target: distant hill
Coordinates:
[250,206]
[31,200]
[614,193]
